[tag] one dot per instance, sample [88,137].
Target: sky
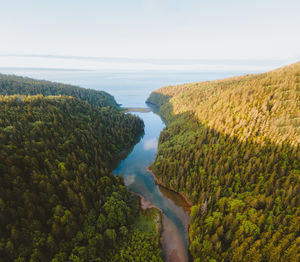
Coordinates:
[163,30]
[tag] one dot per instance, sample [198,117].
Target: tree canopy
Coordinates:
[233,147]
[59,200]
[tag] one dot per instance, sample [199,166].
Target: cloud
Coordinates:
[150,144]
[129,179]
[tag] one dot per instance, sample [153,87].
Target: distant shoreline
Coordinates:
[136,109]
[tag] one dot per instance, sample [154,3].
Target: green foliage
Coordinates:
[116,211]
[233,147]
[249,228]
[139,248]
[59,200]
[143,242]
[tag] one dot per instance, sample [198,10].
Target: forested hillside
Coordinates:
[58,197]
[233,147]
[59,200]
[10,85]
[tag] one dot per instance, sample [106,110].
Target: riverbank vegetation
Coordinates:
[143,244]
[233,147]
[59,200]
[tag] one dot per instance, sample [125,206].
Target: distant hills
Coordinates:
[11,84]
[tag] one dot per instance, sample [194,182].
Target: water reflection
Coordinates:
[150,144]
[129,180]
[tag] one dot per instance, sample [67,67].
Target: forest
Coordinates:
[232,146]
[59,200]
[11,85]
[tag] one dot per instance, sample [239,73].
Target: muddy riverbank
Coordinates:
[186,202]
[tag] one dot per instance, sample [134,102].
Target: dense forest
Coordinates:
[233,147]
[11,84]
[59,200]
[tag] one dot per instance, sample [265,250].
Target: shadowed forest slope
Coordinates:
[233,147]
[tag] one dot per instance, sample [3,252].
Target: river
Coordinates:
[134,170]
[132,90]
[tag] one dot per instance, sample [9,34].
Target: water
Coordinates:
[132,90]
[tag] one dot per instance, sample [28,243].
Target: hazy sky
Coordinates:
[189,29]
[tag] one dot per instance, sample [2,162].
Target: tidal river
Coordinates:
[174,209]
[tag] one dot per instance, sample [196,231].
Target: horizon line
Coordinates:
[161,61]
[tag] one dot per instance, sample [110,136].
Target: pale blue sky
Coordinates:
[158,29]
